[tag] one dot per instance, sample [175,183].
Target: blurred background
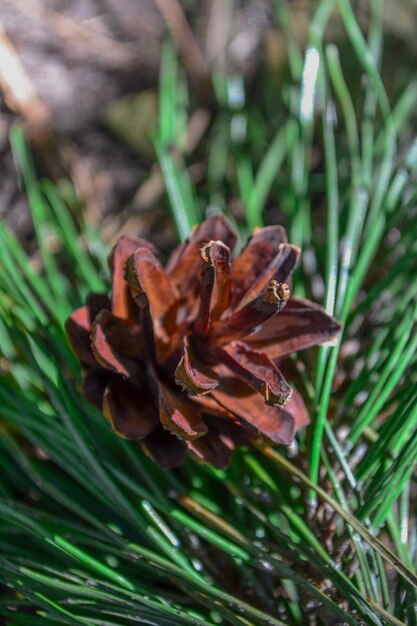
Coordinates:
[82,77]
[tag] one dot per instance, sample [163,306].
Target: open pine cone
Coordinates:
[193,349]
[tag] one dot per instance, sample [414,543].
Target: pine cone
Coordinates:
[193,349]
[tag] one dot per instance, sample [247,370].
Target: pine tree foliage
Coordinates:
[91,531]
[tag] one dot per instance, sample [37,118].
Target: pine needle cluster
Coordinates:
[91,530]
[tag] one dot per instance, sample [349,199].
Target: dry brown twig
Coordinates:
[182,34]
[18,89]
[219,16]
